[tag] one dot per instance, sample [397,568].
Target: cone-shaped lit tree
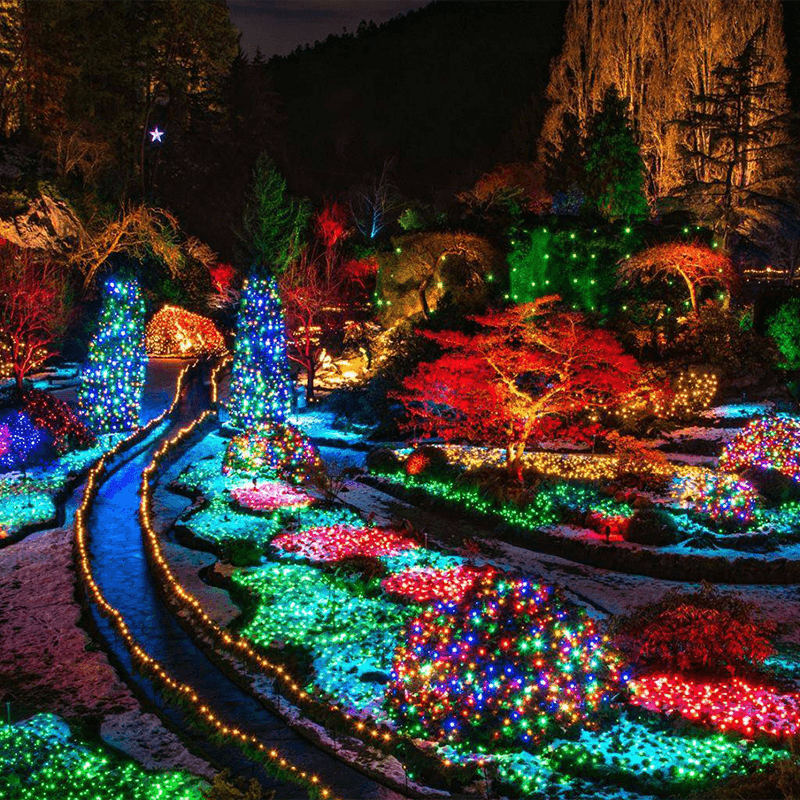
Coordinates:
[260,381]
[112,381]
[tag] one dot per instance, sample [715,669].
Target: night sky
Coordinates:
[279,26]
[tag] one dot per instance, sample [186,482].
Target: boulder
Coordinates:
[47,224]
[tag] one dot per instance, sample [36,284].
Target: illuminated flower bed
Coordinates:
[768,444]
[350,637]
[734,705]
[337,542]
[270,496]
[218,523]
[39,760]
[511,664]
[176,332]
[422,585]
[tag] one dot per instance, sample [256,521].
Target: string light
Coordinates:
[338,542]
[424,584]
[39,760]
[112,382]
[272,450]
[270,496]
[176,332]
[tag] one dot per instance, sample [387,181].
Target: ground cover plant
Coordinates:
[41,759]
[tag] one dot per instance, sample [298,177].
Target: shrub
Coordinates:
[765,444]
[427,460]
[59,420]
[272,450]
[382,459]
[703,631]
[651,526]
[511,663]
[784,328]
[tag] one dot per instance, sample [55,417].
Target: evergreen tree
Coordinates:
[744,173]
[112,381]
[261,387]
[614,170]
[273,220]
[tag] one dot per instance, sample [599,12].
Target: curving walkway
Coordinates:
[120,568]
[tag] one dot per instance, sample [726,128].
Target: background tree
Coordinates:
[614,172]
[34,310]
[660,55]
[696,265]
[741,173]
[527,370]
[274,222]
[112,381]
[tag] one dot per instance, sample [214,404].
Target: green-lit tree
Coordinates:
[784,327]
[614,170]
[112,382]
[261,386]
[274,221]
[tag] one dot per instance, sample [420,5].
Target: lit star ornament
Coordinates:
[156,134]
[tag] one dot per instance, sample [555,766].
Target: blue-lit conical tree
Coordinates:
[112,382]
[261,387]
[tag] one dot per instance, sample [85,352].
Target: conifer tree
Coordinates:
[112,382]
[260,380]
[614,171]
[273,220]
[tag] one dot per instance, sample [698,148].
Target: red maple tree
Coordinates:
[530,370]
[34,308]
[319,294]
[696,264]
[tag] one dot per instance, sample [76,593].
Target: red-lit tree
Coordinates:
[529,370]
[34,309]
[696,264]
[317,292]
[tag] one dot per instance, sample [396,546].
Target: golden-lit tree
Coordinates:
[662,55]
[695,264]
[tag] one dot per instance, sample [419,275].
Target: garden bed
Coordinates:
[337,601]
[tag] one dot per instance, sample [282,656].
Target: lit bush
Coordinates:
[511,663]
[765,444]
[272,450]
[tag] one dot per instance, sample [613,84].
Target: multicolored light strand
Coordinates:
[272,450]
[766,443]
[511,664]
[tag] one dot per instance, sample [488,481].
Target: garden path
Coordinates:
[120,568]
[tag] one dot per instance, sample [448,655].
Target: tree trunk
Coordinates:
[310,375]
